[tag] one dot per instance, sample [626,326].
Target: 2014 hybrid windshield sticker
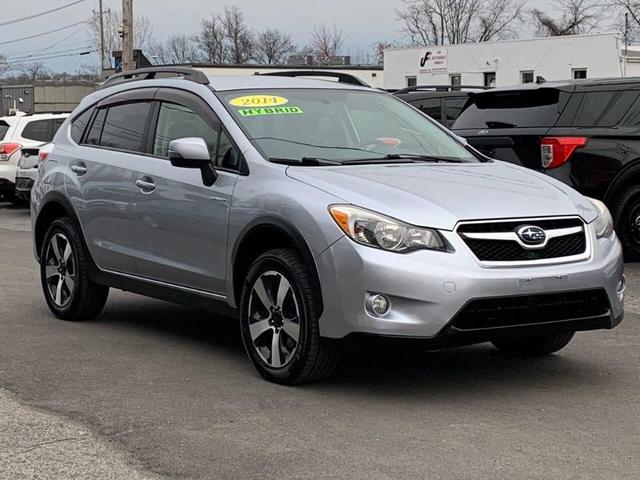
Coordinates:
[254,112]
[259,101]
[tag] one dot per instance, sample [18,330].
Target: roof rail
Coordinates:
[346,78]
[152,72]
[441,88]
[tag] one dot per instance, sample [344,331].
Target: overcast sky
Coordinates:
[363,21]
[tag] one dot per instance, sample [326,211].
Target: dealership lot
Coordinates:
[162,389]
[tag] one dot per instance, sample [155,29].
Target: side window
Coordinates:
[603,109]
[453,109]
[38,130]
[177,121]
[79,125]
[431,107]
[93,137]
[124,126]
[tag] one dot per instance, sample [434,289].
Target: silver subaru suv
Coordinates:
[315,212]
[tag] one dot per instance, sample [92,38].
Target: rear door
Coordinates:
[509,125]
[103,175]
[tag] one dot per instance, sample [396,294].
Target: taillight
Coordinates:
[8,149]
[556,151]
[44,153]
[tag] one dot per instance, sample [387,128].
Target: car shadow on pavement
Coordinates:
[379,372]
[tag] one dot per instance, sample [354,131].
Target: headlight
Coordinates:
[378,231]
[603,224]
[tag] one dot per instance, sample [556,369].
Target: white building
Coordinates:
[512,62]
[371,74]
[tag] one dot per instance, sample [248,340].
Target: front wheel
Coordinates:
[534,346]
[626,217]
[279,318]
[64,264]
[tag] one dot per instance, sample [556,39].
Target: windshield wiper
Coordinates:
[405,158]
[306,162]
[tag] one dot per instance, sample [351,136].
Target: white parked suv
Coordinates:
[17,134]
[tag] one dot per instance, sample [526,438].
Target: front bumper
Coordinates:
[429,289]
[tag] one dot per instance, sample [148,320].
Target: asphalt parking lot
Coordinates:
[154,390]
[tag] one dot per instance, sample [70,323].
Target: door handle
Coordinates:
[146,185]
[79,169]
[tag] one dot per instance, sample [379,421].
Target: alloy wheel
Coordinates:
[60,270]
[634,222]
[274,319]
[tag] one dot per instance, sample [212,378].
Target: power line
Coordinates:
[52,56]
[34,57]
[36,15]
[29,37]
[63,39]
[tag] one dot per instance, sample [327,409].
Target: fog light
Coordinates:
[378,305]
[622,286]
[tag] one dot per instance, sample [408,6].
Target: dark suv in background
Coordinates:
[584,133]
[443,103]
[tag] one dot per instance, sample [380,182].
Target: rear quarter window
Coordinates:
[79,125]
[38,131]
[535,108]
[4,128]
[603,109]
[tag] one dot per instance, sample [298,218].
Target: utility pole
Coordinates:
[102,53]
[127,35]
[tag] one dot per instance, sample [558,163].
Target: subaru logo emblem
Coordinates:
[531,235]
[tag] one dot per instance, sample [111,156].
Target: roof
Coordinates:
[256,66]
[225,83]
[565,84]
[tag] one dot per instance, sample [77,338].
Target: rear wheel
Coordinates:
[534,346]
[626,217]
[279,317]
[64,264]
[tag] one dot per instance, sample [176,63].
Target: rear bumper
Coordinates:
[25,178]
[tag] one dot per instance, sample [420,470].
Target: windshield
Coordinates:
[339,125]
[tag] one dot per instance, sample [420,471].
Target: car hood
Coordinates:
[441,195]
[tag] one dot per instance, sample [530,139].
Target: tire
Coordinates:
[625,210]
[69,292]
[534,346]
[279,289]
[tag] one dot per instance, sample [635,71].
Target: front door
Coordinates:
[180,224]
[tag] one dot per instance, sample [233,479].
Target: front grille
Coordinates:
[491,250]
[522,310]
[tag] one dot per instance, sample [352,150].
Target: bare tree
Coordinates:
[143,33]
[576,17]
[179,49]
[326,41]
[632,8]
[440,22]
[238,35]
[378,49]
[33,71]
[273,46]
[4,66]
[211,40]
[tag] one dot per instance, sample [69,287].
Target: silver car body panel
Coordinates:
[130,233]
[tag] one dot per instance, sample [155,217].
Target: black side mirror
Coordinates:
[192,152]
